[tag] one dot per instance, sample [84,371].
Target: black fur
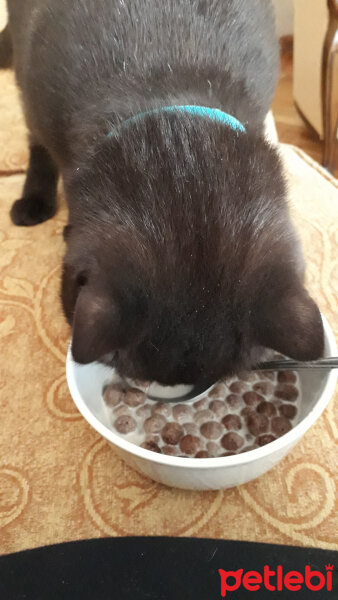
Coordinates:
[38,202]
[181,261]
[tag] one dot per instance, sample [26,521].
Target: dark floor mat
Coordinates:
[152,568]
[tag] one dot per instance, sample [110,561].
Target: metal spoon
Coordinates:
[274,365]
[294,365]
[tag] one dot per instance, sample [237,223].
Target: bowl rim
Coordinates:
[289,438]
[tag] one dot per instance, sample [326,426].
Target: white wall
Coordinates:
[3,15]
[311,23]
[284,16]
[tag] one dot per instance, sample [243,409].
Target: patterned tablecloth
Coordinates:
[59,480]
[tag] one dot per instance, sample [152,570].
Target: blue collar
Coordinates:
[201,111]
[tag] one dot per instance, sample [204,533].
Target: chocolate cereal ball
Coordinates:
[232,441]
[143,411]
[202,454]
[252,398]
[286,391]
[121,409]
[267,438]
[257,424]
[234,401]
[239,387]
[213,449]
[125,424]
[248,376]
[211,430]
[170,450]
[218,391]
[161,408]
[201,404]
[247,411]
[190,444]
[113,394]
[191,428]
[266,408]
[182,413]
[218,407]
[154,423]
[280,425]
[151,446]
[287,377]
[232,422]
[288,410]
[172,433]
[202,416]
[134,397]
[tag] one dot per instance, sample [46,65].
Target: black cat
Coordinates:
[181,261]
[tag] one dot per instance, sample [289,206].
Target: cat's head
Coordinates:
[181,262]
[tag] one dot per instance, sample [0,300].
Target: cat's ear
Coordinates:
[96,326]
[291,324]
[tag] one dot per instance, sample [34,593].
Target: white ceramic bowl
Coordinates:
[87,381]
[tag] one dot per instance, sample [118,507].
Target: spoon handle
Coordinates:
[284,365]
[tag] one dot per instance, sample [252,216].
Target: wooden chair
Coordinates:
[330,89]
[315,77]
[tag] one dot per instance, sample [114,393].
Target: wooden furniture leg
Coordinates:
[330,89]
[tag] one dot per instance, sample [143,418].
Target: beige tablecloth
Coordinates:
[59,480]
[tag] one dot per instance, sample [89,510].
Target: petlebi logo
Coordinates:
[275,580]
